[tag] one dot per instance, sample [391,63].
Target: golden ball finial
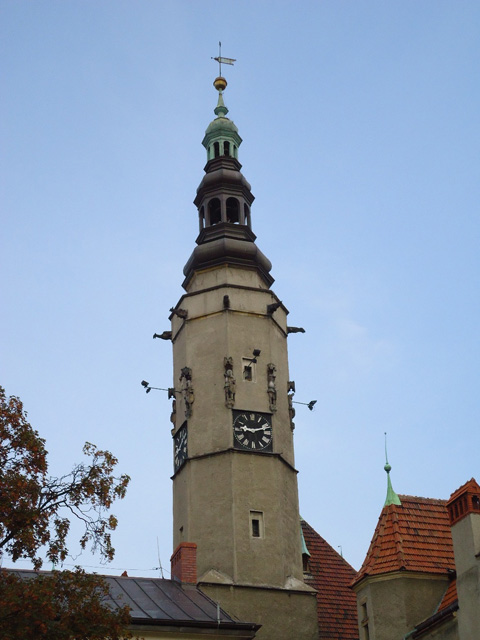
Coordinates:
[220,83]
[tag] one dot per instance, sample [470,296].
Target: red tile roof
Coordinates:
[413,536]
[449,597]
[331,576]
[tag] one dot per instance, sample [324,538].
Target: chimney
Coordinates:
[464,501]
[184,563]
[464,513]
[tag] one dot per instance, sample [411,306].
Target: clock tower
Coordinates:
[235,484]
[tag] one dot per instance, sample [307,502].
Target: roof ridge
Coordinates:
[423,499]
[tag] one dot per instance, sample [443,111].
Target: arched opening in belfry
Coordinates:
[226,148]
[201,217]
[214,211]
[246,213]
[233,210]
[216,149]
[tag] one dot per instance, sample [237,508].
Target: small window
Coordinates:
[216,149]
[256,524]
[306,562]
[226,148]
[248,369]
[476,503]
[364,621]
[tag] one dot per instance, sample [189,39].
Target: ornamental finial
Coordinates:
[220,83]
[392,497]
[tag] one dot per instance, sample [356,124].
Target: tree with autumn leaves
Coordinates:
[35,514]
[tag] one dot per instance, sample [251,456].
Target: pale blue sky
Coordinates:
[361,142]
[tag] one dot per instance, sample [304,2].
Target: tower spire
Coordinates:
[223,200]
[392,497]
[221,137]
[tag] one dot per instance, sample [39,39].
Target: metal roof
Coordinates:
[155,601]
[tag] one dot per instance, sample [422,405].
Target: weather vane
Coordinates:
[221,60]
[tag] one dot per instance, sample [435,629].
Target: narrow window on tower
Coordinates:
[216,149]
[248,368]
[256,524]
[364,621]
[226,148]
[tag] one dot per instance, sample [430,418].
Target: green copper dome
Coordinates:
[220,124]
[221,137]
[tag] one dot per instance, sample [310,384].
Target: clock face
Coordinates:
[180,451]
[252,431]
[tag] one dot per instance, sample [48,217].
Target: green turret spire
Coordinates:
[220,110]
[392,497]
[221,137]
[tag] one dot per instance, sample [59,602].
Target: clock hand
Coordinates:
[245,428]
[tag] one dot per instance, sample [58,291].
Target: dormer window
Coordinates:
[306,562]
